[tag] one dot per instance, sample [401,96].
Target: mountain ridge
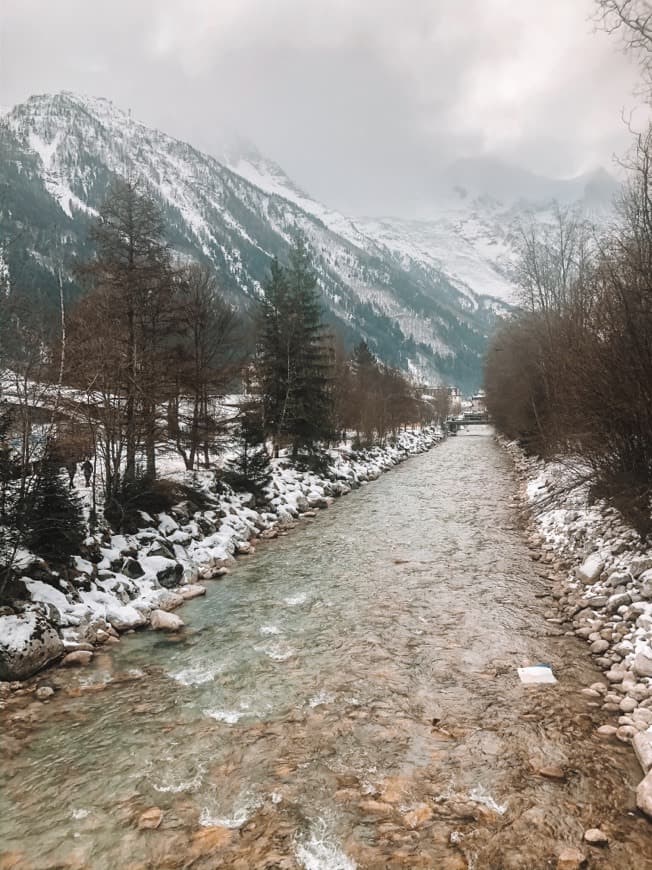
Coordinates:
[384,280]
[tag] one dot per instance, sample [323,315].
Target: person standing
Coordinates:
[87,468]
[71,468]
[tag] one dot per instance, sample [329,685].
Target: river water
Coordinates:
[347,697]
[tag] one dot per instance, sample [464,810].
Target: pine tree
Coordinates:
[54,519]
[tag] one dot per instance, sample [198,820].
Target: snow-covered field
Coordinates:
[129,581]
[602,581]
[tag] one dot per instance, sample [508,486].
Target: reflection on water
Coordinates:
[346,698]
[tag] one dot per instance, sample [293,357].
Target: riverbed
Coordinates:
[346,697]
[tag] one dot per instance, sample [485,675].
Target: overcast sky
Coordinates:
[361,101]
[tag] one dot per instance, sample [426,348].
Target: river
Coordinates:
[346,697]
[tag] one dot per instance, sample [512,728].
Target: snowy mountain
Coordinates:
[471,223]
[423,294]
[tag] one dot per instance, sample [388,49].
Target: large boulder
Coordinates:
[644,795]
[642,743]
[27,643]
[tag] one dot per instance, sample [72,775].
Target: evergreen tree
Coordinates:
[312,406]
[294,360]
[54,520]
[251,467]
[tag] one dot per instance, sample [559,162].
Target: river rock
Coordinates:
[208,840]
[418,816]
[599,646]
[640,565]
[191,590]
[77,659]
[168,600]
[625,733]
[616,601]
[27,644]
[596,837]
[644,795]
[150,819]
[571,859]
[590,569]
[642,664]
[607,730]
[44,692]
[642,743]
[552,771]
[161,620]
[628,705]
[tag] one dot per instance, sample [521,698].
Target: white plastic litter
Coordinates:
[536,675]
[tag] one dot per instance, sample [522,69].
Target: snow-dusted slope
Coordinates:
[470,236]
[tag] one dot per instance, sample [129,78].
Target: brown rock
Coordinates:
[13,861]
[150,819]
[596,837]
[393,789]
[76,659]
[552,771]
[376,807]
[206,841]
[418,816]
[571,859]
[607,730]
[644,795]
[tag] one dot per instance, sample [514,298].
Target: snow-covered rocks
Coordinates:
[28,642]
[590,569]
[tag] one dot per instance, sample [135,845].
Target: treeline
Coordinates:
[572,373]
[141,364]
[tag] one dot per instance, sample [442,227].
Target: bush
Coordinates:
[123,511]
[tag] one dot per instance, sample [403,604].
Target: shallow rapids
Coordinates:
[347,697]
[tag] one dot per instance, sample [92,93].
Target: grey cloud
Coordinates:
[363,102]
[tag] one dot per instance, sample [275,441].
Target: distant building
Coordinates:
[479,402]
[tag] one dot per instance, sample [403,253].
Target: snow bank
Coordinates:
[601,572]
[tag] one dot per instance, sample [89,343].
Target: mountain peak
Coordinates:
[491,179]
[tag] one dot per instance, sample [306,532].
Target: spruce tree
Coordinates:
[251,466]
[54,519]
[312,405]
[294,361]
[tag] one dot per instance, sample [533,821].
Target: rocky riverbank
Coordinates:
[601,575]
[125,582]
